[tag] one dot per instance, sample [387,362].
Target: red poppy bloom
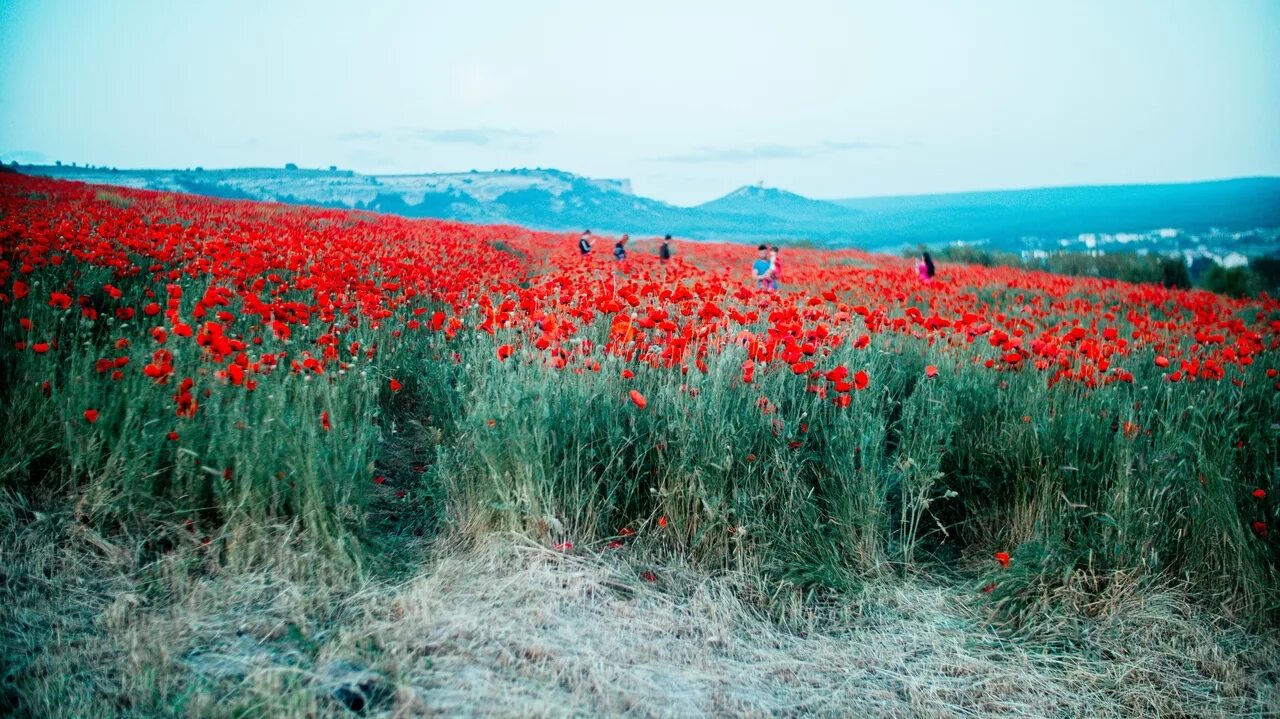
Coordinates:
[91,415]
[638,399]
[396,386]
[1003,559]
[930,371]
[1259,494]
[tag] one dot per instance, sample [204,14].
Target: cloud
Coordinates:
[476,136]
[751,153]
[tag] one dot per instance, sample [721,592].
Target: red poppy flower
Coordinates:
[324,420]
[860,380]
[91,415]
[1259,494]
[395,386]
[638,399]
[930,371]
[662,521]
[1003,559]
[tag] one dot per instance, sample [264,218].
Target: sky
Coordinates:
[687,99]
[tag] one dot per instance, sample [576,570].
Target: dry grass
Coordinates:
[513,629]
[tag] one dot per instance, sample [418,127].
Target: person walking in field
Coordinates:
[925,268]
[620,248]
[664,251]
[775,271]
[584,243]
[762,268]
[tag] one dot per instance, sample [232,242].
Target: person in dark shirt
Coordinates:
[762,268]
[664,252]
[584,243]
[619,248]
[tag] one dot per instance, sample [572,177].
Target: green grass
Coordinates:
[1100,495]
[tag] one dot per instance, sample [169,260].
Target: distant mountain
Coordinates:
[1015,220]
[1005,216]
[752,200]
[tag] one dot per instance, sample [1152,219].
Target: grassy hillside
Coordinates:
[267,459]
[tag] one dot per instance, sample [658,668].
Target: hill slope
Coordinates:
[1014,220]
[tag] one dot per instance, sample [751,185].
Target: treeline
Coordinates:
[1261,275]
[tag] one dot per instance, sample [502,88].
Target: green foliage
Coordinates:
[1231,281]
[1129,267]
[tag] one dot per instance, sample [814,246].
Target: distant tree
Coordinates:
[1267,270]
[58,163]
[199,168]
[1230,281]
[333,168]
[290,166]
[1175,273]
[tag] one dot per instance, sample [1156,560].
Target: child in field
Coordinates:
[775,273]
[584,243]
[619,248]
[925,268]
[664,252]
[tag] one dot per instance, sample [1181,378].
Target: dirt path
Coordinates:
[512,629]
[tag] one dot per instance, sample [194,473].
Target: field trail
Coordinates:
[510,628]
[513,630]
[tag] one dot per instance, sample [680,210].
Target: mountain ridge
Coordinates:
[551,199]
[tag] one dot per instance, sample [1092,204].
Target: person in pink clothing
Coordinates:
[775,270]
[925,268]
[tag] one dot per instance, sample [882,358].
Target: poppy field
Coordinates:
[199,370]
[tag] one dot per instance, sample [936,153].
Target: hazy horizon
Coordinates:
[977,190]
[829,100]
